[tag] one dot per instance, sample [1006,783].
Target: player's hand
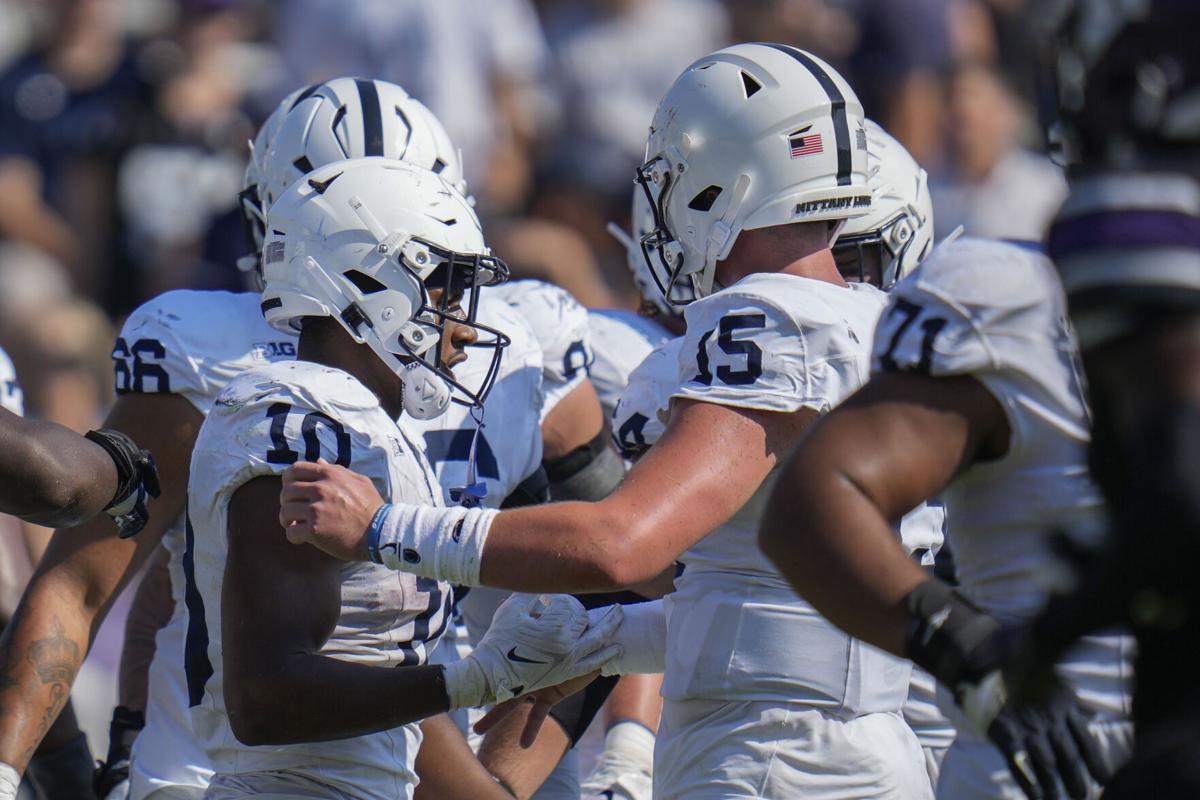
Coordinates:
[137,477]
[329,507]
[1042,744]
[542,700]
[533,642]
[1045,740]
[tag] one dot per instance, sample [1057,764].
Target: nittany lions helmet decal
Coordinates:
[899,226]
[751,136]
[363,241]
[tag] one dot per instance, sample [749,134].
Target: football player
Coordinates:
[756,157]
[368,260]
[175,354]
[975,397]
[62,764]
[1127,244]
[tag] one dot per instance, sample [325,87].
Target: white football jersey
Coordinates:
[995,311]
[561,326]
[620,341]
[736,630]
[643,408]
[509,448]
[263,421]
[190,343]
[10,391]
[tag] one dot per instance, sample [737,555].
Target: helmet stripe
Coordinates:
[308,92]
[368,96]
[837,101]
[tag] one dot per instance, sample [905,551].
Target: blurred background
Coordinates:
[124,128]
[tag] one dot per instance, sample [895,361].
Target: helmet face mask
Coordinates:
[390,251]
[661,251]
[891,241]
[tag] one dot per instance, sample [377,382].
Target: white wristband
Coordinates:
[643,639]
[432,541]
[10,781]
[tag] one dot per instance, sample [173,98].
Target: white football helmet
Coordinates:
[362,241]
[900,223]
[356,118]
[642,220]
[752,136]
[250,197]
[332,121]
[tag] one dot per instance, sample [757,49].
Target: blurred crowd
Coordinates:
[124,127]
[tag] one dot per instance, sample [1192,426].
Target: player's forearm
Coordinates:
[67,598]
[839,553]
[40,652]
[564,547]
[449,769]
[51,475]
[314,698]
[150,611]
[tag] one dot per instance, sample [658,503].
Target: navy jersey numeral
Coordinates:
[423,623]
[631,438]
[134,364]
[746,348]
[575,359]
[930,327]
[455,445]
[281,451]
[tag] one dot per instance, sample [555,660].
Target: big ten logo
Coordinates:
[270,351]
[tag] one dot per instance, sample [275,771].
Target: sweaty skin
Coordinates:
[51,475]
[894,444]
[708,463]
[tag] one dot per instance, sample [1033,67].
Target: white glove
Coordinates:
[534,641]
[10,782]
[625,770]
[642,636]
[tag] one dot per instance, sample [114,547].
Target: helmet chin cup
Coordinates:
[425,394]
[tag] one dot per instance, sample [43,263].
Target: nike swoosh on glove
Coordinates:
[966,650]
[534,641]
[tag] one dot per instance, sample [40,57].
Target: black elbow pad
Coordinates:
[589,472]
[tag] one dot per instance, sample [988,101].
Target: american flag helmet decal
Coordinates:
[803,143]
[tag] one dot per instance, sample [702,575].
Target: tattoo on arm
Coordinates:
[54,659]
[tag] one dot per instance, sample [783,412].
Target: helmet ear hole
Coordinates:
[703,201]
[363,282]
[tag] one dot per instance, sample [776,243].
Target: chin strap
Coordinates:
[472,495]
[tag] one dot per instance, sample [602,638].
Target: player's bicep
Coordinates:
[903,437]
[709,462]
[277,599]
